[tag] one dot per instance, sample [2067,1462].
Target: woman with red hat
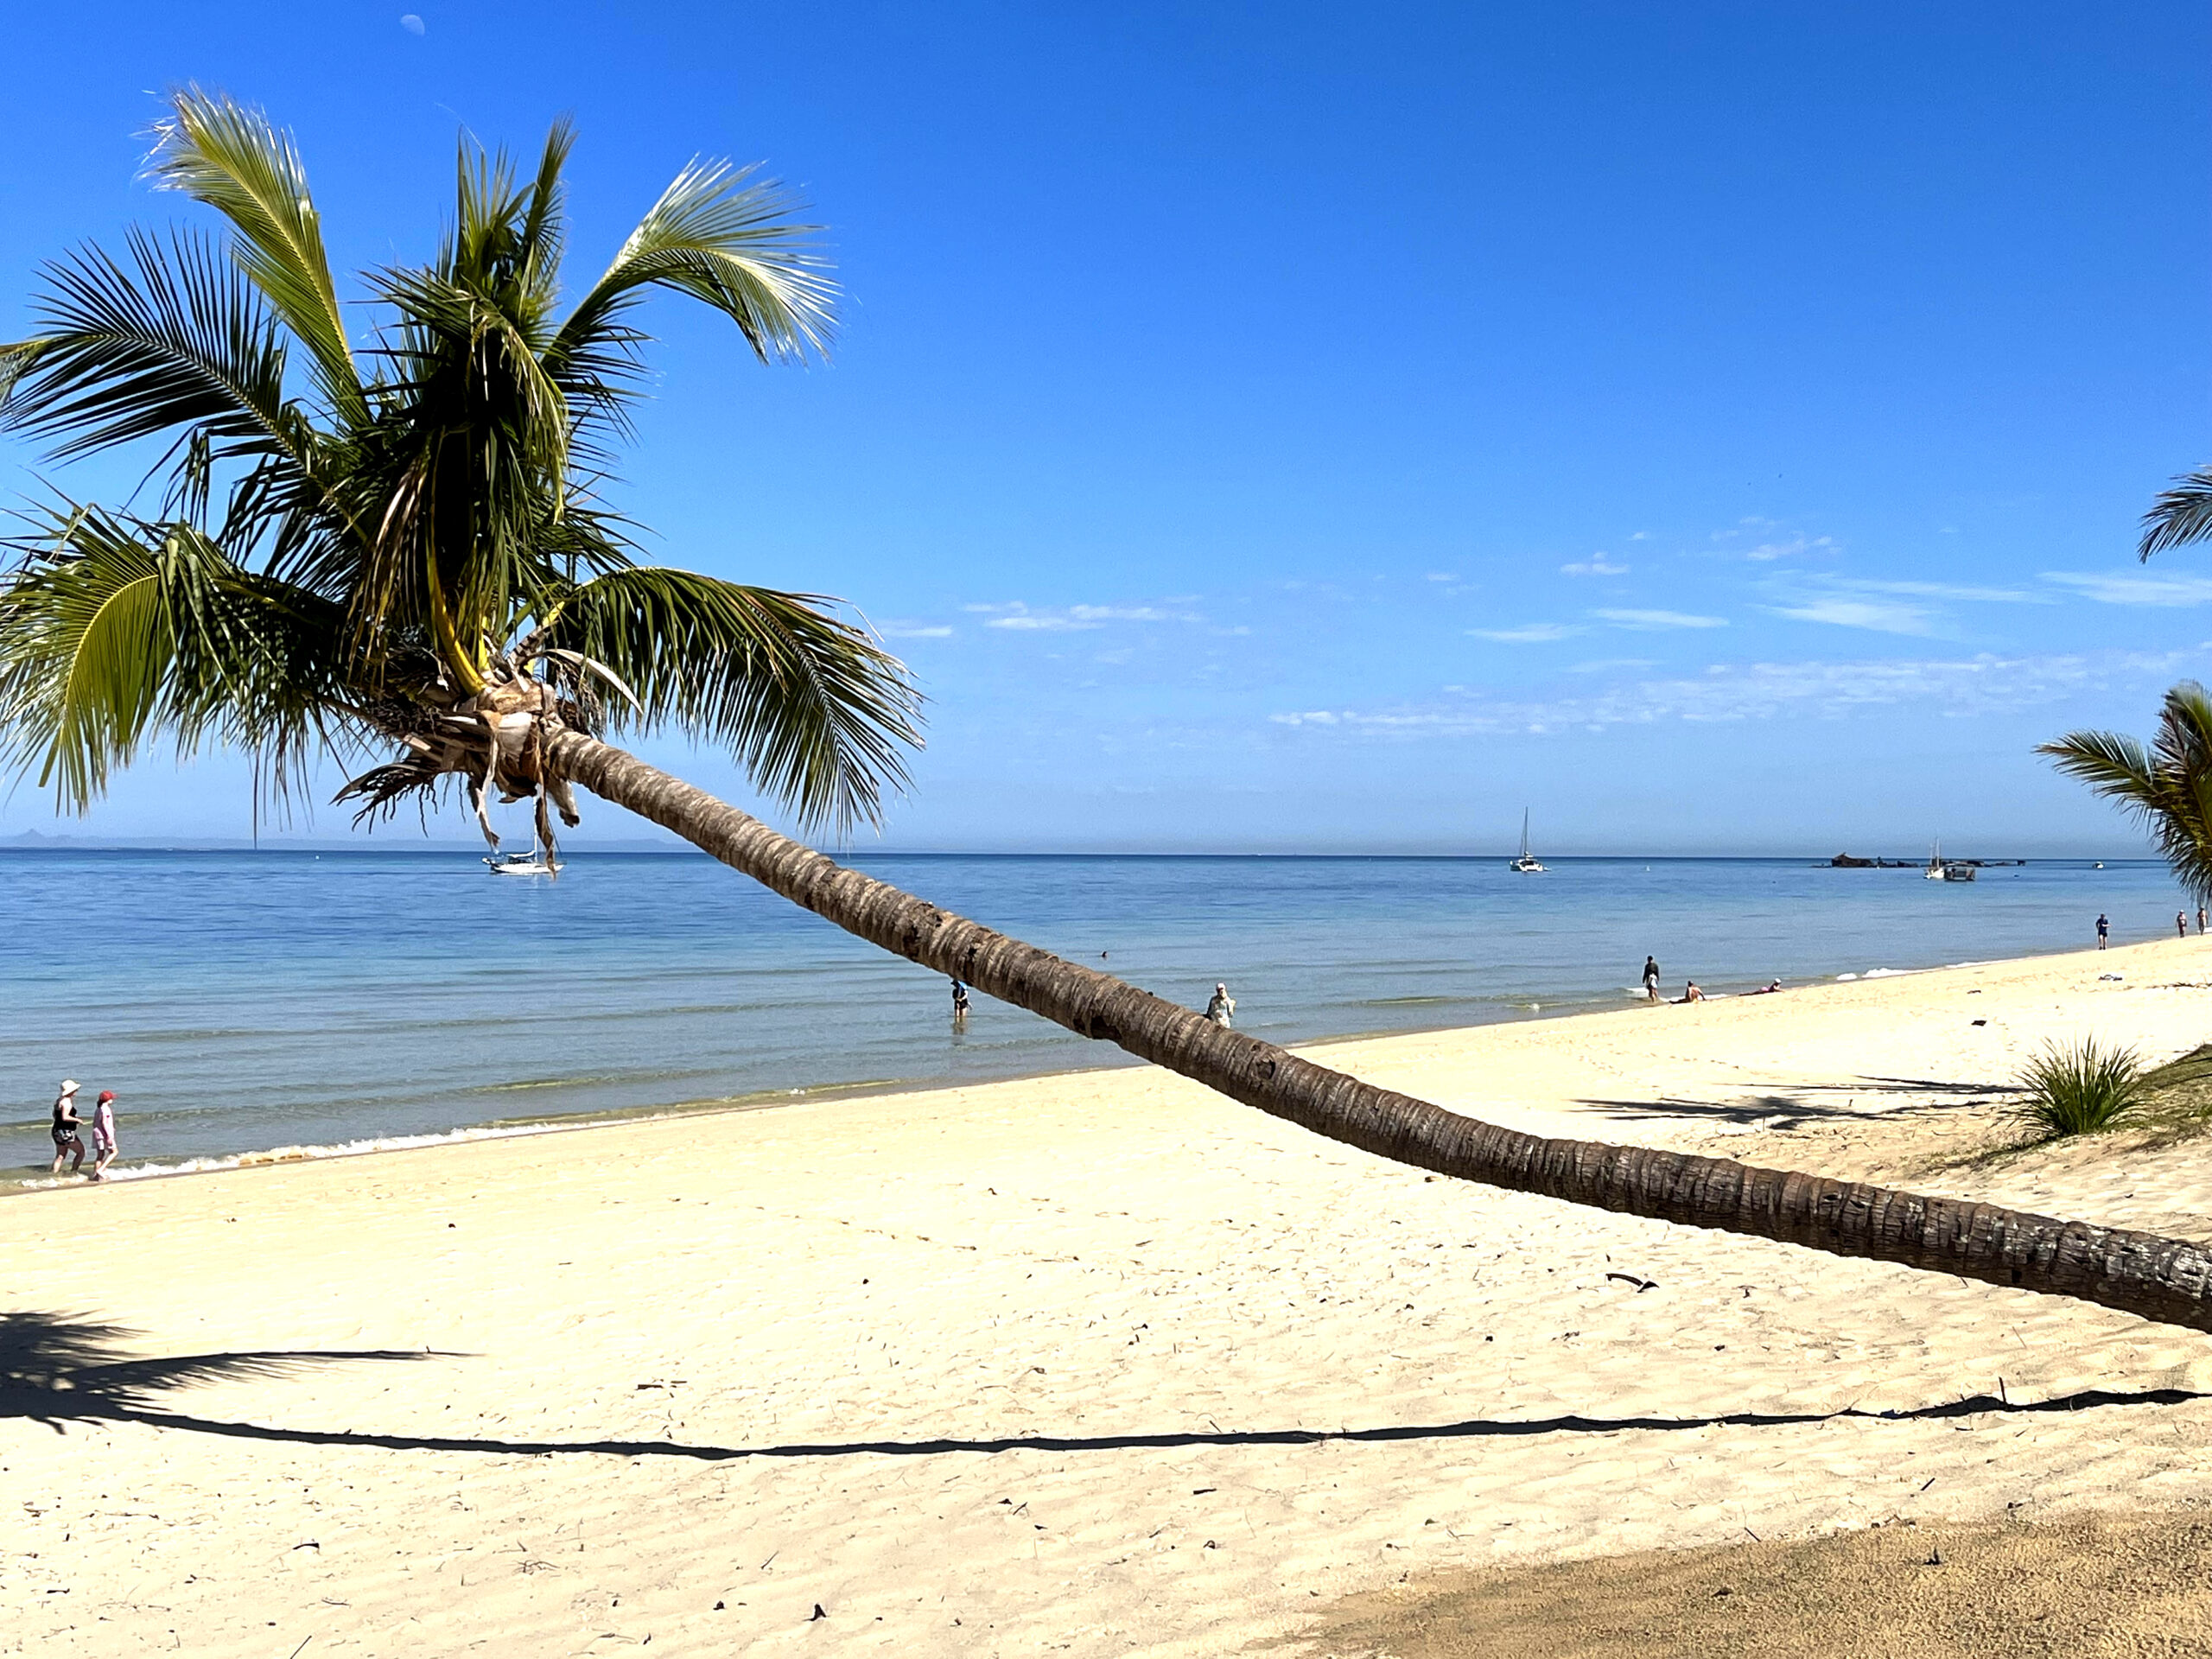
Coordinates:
[104,1147]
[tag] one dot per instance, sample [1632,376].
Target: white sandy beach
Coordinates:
[1098,1364]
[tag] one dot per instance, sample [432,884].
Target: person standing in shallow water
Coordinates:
[68,1128]
[959,1006]
[1651,979]
[1220,1007]
[104,1141]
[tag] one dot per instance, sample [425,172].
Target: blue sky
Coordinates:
[1712,428]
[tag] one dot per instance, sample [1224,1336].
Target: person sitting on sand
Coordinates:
[104,1145]
[1771,986]
[68,1128]
[1692,994]
[1220,1007]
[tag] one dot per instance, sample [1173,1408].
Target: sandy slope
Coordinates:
[1092,1364]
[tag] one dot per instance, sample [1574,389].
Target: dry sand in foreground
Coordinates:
[1093,1365]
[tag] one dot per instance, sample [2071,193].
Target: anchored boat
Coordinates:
[1526,864]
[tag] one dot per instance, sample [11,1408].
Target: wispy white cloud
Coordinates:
[915,631]
[1647,620]
[1441,575]
[1948,590]
[1606,665]
[1598,564]
[1789,547]
[1842,611]
[1070,618]
[1529,633]
[2128,588]
[1959,686]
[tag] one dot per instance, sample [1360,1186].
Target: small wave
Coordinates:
[305,1154]
[506,1130]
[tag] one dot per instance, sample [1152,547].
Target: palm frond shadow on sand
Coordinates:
[57,1370]
[58,1367]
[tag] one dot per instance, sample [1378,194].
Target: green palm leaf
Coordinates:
[724,238]
[812,706]
[117,631]
[230,156]
[176,341]
[2167,784]
[2180,515]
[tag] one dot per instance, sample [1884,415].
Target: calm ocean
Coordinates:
[241,1002]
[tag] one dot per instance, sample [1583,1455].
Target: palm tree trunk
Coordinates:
[2161,1279]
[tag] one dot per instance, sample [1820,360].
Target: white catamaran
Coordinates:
[529,863]
[1526,864]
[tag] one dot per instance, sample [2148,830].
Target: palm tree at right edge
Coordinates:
[2166,783]
[416,559]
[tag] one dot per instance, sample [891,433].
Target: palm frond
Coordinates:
[723,237]
[2167,784]
[2180,515]
[2111,764]
[231,157]
[814,708]
[174,341]
[117,631]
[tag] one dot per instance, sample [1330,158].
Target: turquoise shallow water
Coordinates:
[240,1002]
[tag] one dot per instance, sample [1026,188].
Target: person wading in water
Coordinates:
[68,1128]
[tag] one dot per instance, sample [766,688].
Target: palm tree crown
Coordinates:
[405,543]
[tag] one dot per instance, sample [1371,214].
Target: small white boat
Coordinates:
[1938,870]
[522,864]
[1526,864]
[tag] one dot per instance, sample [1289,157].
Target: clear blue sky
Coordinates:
[1712,426]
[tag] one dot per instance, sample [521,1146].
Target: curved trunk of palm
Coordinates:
[2161,1279]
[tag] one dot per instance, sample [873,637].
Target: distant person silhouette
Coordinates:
[1651,979]
[2181,923]
[2103,928]
[959,1005]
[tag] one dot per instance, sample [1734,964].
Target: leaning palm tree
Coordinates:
[2166,784]
[414,556]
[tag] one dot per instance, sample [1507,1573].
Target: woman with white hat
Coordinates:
[68,1128]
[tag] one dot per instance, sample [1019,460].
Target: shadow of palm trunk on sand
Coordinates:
[57,1370]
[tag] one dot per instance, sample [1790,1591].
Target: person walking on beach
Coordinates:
[2181,923]
[959,1006]
[104,1145]
[68,1128]
[2200,918]
[1220,1007]
[1651,979]
[2103,928]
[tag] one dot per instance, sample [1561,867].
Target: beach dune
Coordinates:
[1092,1364]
